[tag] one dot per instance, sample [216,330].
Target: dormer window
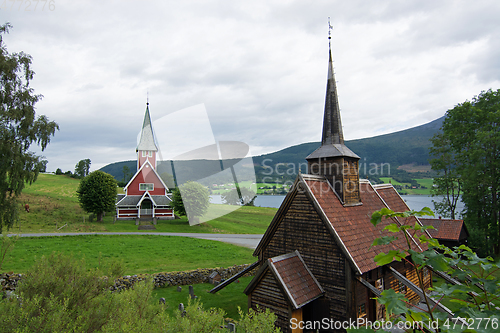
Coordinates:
[147,153]
[146,187]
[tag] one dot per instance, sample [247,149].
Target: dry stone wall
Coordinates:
[9,281]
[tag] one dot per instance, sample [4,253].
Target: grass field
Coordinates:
[54,208]
[228,298]
[427,182]
[140,254]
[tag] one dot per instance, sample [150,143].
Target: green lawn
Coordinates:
[427,182]
[228,298]
[54,208]
[140,254]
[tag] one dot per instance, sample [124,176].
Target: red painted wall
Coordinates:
[146,175]
[141,159]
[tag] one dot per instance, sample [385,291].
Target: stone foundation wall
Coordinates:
[196,276]
[9,281]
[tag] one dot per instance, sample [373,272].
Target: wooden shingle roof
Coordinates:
[350,226]
[446,229]
[296,280]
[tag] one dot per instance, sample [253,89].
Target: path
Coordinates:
[248,240]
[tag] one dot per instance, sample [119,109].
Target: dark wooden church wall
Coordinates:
[269,295]
[302,229]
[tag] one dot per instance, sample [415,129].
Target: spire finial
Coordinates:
[147,97]
[330,27]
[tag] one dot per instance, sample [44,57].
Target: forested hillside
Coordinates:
[409,146]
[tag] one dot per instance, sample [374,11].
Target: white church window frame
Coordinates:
[146,187]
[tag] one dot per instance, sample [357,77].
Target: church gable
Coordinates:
[146,179]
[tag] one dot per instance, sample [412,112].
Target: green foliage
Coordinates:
[448,182]
[82,168]
[97,193]
[19,128]
[233,198]
[477,295]
[127,174]
[468,150]
[195,199]
[6,246]
[177,202]
[59,294]
[59,171]
[257,321]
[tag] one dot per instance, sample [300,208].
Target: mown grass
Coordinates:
[54,208]
[228,298]
[427,182]
[139,253]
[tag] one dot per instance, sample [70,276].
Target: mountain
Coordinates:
[410,146]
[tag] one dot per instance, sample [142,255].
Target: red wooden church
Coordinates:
[146,195]
[316,259]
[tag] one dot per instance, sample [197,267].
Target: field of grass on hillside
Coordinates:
[140,254]
[54,208]
[407,188]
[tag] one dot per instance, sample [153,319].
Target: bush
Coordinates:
[60,294]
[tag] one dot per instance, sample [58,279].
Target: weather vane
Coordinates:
[330,27]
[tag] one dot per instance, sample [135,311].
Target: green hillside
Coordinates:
[409,146]
[54,207]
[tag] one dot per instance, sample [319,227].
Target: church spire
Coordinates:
[147,140]
[332,140]
[333,160]
[332,124]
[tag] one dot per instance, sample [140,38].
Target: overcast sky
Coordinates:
[258,67]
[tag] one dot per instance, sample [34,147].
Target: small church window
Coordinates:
[361,310]
[148,153]
[146,187]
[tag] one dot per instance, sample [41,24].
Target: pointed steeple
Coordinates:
[332,140]
[147,141]
[332,124]
[333,160]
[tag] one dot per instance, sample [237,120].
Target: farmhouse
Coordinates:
[316,260]
[146,195]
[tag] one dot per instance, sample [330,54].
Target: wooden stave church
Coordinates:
[146,195]
[325,222]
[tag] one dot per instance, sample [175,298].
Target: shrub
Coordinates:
[60,294]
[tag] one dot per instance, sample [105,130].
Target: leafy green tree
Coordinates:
[126,173]
[19,129]
[195,199]
[42,165]
[82,168]
[477,294]
[177,202]
[97,193]
[472,129]
[448,182]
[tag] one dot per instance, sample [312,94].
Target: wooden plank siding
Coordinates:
[268,294]
[302,229]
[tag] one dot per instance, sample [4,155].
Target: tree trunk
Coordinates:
[99,216]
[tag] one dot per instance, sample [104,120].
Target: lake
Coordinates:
[415,202]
